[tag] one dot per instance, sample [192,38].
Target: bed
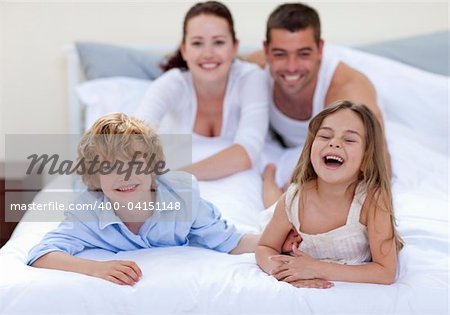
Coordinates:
[194,280]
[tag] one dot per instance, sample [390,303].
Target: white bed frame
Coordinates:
[74,77]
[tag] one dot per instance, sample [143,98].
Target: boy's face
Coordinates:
[123,188]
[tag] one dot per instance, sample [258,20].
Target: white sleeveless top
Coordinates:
[293,131]
[348,244]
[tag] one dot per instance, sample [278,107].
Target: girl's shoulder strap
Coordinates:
[358,200]
[291,204]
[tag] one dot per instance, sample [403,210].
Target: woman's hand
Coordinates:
[117,271]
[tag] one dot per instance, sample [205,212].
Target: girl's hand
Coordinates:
[299,267]
[313,283]
[118,271]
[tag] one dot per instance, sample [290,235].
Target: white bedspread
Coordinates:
[192,280]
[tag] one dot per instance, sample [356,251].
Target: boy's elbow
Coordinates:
[39,263]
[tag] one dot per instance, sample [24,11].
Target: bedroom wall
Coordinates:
[33,33]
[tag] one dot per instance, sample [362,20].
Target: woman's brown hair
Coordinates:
[214,8]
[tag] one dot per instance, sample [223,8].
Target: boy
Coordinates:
[133,208]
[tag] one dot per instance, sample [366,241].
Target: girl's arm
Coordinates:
[273,238]
[271,243]
[383,267]
[381,270]
[117,271]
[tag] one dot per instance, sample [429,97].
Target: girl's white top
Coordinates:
[347,244]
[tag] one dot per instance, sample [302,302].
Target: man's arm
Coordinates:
[258,57]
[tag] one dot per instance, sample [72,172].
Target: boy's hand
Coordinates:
[293,239]
[117,271]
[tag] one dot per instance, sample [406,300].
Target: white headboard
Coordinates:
[74,77]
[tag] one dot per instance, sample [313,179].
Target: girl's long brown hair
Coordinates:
[374,171]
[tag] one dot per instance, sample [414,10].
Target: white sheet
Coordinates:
[193,280]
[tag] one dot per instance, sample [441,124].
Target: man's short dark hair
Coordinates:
[294,17]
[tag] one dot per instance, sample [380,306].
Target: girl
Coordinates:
[207,92]
[340,203]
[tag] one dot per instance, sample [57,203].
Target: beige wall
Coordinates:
[32,34]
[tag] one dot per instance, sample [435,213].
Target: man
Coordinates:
[304,80]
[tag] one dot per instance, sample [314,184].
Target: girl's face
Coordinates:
[338,148]
[208,48]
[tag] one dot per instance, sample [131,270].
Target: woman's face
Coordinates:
[208,48]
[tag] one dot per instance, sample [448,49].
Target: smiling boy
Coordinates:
[133,212]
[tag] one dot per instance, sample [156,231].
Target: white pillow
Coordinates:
[412,97]
[115,94]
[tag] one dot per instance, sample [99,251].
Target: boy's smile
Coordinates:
[127,188]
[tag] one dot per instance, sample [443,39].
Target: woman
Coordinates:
[206,91]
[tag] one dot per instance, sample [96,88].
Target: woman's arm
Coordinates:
[117,271]
[224,163]
[162,95]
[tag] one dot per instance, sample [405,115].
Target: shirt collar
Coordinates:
[107,217]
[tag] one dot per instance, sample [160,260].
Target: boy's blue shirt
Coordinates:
[197,223]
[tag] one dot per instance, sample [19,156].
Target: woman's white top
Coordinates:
[347,244]
[294,131]
[170,105]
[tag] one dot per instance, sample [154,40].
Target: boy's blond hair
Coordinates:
[117,136]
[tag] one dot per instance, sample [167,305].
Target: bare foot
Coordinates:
[271,192]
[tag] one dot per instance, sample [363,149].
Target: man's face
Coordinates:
[294,59]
